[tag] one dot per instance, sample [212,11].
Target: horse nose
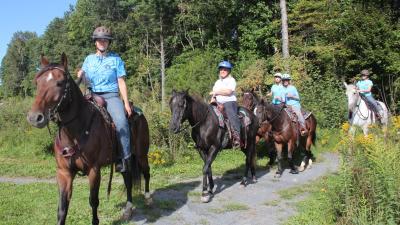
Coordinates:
[36,118]
[173,128]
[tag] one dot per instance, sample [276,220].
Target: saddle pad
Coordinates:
[138,110]
[219,115]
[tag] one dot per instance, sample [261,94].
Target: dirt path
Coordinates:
[256,204]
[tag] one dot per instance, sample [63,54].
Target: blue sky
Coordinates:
[28,15]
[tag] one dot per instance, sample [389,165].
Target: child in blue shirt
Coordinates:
[277,90]
[293,101]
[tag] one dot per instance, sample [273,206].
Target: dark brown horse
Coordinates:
[209,137]
[250,100]
[85,141]
[285,131]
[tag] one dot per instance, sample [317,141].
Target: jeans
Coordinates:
[300,116]
[231,110]
[117,112]
[372,102]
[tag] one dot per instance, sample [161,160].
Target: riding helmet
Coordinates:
[278,75]
[102,33]
[225,64]
[286,76]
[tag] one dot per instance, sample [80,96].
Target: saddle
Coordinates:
[223,121]
[293,117]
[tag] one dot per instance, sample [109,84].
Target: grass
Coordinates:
[272,203]
[230,207]
[317,209]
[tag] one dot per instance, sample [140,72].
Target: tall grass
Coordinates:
[370,179]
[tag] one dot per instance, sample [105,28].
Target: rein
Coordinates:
[358,111]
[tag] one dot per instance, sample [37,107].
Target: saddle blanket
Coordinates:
[242,114]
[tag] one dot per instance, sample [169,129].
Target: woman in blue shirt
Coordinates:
[105,72]
[293,101]
[364,88]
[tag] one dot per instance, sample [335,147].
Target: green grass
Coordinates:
[230,207]
[318,208]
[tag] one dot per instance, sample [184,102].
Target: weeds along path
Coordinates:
[258,203]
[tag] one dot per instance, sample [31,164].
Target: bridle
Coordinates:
[65,100]
[196,124]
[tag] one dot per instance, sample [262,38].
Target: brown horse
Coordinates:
[250,100]
[285,131]
[85,141]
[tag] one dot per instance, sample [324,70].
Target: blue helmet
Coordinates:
[225,64]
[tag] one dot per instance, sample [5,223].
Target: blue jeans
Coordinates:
[117,111]
[374,105]
[231,110]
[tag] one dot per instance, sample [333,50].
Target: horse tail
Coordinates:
[136,172]
[110,180]
[314,133]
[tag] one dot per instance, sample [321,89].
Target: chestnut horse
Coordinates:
[250,100]
[85,141]
[285,131]
[209,137]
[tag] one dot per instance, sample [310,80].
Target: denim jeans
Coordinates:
[231,110]
[372,102]
[117,111]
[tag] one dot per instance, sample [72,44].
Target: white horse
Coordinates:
[362,116]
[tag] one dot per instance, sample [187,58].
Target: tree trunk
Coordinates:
[285,33]
[162,61]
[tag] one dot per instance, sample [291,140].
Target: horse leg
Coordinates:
[212,153]
[144,165]
[127,211]
[253,163]
[272,157]
[210,181]
[94,183]
[279,156]
[307,160]
[365,130]
[243,183]
[64,180]
[291,148]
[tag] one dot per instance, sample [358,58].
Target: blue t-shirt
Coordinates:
[102,72]
[277,91]
[363,85]
[289,100]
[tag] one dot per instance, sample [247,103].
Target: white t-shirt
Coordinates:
[229,83]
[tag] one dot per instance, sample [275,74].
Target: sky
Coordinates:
[28,15]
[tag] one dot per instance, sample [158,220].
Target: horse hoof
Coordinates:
[128,211]
[254,179]
[147,199]
[278,175]
[292,171]
[205,198]
[301,167]
[310,162]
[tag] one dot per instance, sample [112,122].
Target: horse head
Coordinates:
[250,99]
[52,84]
[179,106]
[261,113]
[352,95]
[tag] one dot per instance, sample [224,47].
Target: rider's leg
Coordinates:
[375,107]
[231,112]
[301,120]
[117,111]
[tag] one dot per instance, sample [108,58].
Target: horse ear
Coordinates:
[173,92]
[64,60]
[43,61]
[345,84]
[252,90]
[187,91]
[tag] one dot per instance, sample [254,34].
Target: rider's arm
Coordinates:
[124,94]
[223,91]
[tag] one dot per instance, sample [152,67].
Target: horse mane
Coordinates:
[198,104]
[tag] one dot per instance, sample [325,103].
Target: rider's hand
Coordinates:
[128,109]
